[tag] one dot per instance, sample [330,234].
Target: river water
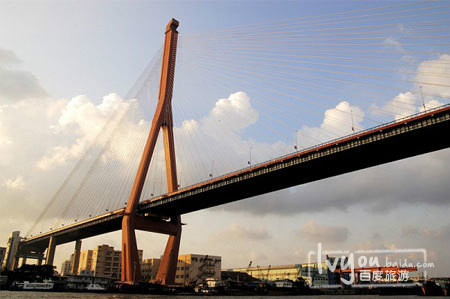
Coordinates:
[53,295]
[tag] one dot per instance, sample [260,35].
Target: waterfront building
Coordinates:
[272,273]
[149,268]
[309,272]
[85,262]
[103,261]
[66,268]
[316,274]
[196,268]
[2,255]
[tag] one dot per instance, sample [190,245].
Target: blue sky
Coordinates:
[95,48]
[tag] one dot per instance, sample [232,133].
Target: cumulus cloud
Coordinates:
[218,136]
[400,104]
[233,113]
[40,133]
[85,120]
[342,120]
[316,232]
[432,78]
[437,72]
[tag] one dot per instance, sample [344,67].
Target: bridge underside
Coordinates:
[419,135]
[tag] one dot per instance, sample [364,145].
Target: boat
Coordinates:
[45,285]
[95,287]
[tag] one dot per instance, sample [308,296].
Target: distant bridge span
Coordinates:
[418,134]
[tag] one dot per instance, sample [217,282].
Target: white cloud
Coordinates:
[219,137]
[233,113]
[435,72]
[85,120]
[17,183]
[342,120]
[400,105]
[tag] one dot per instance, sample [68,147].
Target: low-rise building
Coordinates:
[2,254]
[149,268]
[196,268]
[272,273]
[103,261]
[313,274]
[66,268]
[85,262]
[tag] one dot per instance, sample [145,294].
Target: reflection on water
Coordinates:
[54,295]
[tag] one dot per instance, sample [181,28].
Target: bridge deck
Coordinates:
[415,135]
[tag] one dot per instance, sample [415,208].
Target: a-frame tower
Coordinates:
[162,119]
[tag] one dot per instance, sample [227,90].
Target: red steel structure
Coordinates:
[162,119]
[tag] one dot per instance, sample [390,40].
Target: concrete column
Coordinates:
[50,251]
[10,261]
[76,257]
[24,261]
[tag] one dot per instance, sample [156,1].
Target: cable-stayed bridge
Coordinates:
[306,65]
[415,135]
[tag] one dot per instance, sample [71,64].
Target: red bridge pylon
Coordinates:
[162,119]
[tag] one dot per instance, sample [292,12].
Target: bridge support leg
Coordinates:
[16,263]
[76,257]
[49,259]
[168,266]
[131,270]
[162,119]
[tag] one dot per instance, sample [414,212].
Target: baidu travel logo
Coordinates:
[369,268]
